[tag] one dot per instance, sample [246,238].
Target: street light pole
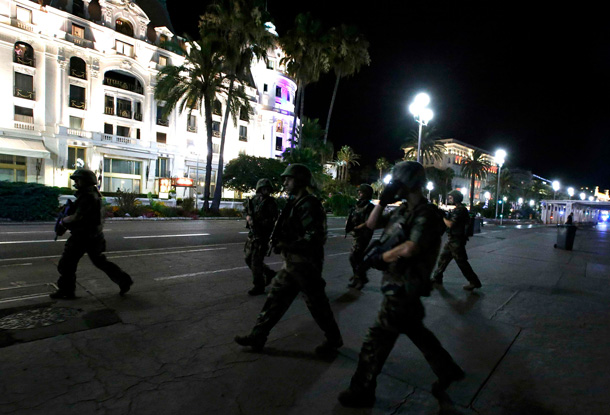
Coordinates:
[422,115]
[500,156]
[556,186]
[429,186]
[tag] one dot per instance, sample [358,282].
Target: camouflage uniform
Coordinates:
[404,281]
[301,238]
[87,237]
[455,248]
[263,216]
[362,237]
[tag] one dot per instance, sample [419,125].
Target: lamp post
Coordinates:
[422,115]
[583,196]
[500,156]
[429,186]
[556,186]
[504,200]
[570,192]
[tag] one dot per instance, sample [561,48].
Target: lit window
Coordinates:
[24,15]
[78,31]
[123,48]
[162,60]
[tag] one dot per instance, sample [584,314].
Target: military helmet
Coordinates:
[458,197]
[366,189]
[263,183]
[87,177]
[300,172]
[410,173]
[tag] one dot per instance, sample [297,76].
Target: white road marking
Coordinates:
[16,265]
[24,297]
[31,242]
[165,253]
[166,236]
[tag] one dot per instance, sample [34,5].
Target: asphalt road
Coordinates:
[155,253]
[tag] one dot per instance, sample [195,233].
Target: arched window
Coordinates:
[217,108]
[78,68]
[24,54]
[123,81]
[124,27]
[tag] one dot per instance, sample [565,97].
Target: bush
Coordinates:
[188,204]
[28,201]
[340,204]
[128,203]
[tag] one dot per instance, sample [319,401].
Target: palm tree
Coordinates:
[348,52]
[311,134]
[194,84]
[475,168]
[346,158]
[306,58]
[239,34]
[431,150]
[382,164]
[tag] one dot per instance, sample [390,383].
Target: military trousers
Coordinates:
[357,254]
[255,251]
[292,279]
[455,249]
[94,246]
[399,314]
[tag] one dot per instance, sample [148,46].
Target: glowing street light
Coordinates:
[500,156]
[532,203]
[387,178]
[591,198]
[422,115]
[570,192]
[429,186]
[520,201]
[487,195]
[556,187]
[583,196]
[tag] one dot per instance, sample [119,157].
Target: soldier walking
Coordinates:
[85,224]
[455,248]
[261,213]
[299,235]
[406,253]
[356,225]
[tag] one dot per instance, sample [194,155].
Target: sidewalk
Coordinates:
[534,340]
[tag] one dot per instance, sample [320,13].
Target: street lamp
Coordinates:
[570,192]
[499,158]
[520,201]
[387,178]
[583,196]
[556,186]
[422,115]
[429,186]
[532,203]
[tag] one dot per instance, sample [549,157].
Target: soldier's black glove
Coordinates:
[373,260]
[388,195]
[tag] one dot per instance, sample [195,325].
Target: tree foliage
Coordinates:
[242,173]
[475,168]
[430,149]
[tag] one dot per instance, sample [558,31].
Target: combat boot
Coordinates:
[440,386]
[472,286]
[125,286]
[329,348]
[360,282]
[62,295]
[255,342]
[352,398]
[257,291]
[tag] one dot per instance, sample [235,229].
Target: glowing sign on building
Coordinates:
[183,182]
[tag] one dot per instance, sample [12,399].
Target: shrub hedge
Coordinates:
[28,201]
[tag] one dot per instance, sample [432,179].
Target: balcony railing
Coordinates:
[22,25]
[124,85]
[22,93]
[79,41]
[243,138]
[124,113]
[24,126]
[78,74]
[78,133]
[119,139]
[109,110]
[24,60]
[215,133]
[77,103]
[191,128]
[163,122]
[137,116]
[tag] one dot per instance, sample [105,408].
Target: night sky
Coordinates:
[533,81]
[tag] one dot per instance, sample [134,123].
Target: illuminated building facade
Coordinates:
[79,77]
[455,153]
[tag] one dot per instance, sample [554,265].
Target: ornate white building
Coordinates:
[78,77]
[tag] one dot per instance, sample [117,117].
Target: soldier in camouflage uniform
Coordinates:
[356,225]
[455,248]
[407,252]
[261,213]
[299,235]
[85,224]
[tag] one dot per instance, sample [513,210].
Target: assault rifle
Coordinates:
[390,239]
[349,224]
[276,234]
[250,212]
[60,229]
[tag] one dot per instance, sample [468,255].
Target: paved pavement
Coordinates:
[534,340]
